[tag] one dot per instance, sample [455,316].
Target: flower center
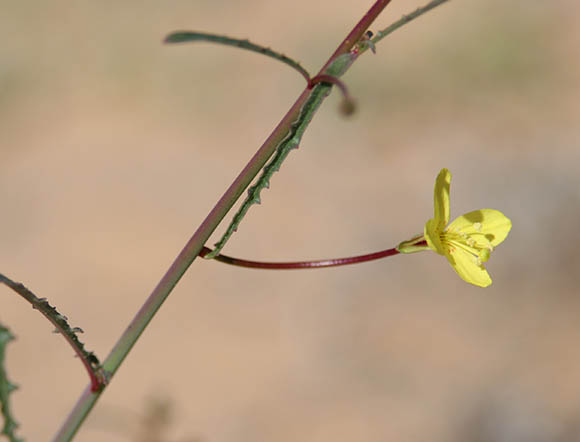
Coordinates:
[475,244]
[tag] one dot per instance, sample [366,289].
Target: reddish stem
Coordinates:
[358,31]
[301,264]
[325,78]
[348,104]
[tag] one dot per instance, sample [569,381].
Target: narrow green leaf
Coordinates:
[290,142]
[187,36]
[60,321]
[6,387]
[404,20]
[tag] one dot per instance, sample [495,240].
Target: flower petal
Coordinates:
[466,267]
[441,199]
[433,236]
[483,226]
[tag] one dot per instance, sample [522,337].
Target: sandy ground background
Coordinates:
[114,147]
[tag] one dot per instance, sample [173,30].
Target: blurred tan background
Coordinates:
[114,148]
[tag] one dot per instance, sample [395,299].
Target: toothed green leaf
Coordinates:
[290,142]
[60,321]
[6,387]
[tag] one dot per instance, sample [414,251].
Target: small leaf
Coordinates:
[188,36]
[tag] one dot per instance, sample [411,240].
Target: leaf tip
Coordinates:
[175,37]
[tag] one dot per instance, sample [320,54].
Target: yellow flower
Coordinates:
[467,242]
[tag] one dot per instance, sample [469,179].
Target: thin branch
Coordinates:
[299,265]
[88,358]
[405,19]
[189,36]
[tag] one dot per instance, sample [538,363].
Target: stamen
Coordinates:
[484,255]
[477,227]
[452,244]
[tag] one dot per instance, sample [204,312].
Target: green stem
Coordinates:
[405,19]
[200,237]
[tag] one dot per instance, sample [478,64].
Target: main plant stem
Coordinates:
[200,237]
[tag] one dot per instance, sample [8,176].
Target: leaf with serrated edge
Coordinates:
[6,387]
